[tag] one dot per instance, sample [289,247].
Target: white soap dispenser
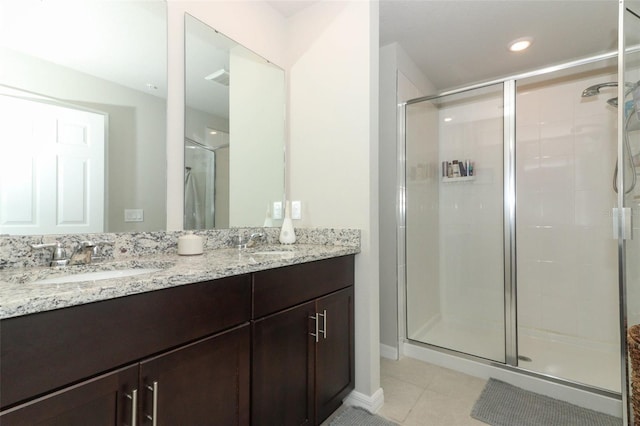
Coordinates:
[287,234]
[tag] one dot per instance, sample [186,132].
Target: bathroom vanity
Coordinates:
[269,343]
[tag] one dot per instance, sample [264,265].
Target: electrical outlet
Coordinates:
[277,210]
[133,215]
[296,210]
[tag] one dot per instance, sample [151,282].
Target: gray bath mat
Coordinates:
[353,416]
[501,404]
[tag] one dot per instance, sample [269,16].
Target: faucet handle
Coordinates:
[58,255]
[98,254]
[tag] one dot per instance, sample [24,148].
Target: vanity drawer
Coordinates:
[49,350]
[281,288]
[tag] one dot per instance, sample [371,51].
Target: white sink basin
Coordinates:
[273,252]
[95,276]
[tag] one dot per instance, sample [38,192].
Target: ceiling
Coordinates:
[456,43]
[459,42]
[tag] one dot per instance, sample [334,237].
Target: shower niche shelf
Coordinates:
[458,179]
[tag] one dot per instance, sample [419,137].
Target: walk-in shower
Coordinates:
[526,269]
[516,265]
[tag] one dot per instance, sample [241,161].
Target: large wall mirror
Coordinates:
[234,132]
[82,116]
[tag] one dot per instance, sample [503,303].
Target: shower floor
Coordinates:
[591,364]
[596,365]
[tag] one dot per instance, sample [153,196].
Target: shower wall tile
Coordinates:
[566,256]
[563,100]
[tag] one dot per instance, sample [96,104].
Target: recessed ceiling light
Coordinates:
[213,132]
[447,119]
[520,44]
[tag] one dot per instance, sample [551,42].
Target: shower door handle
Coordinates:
[625,215]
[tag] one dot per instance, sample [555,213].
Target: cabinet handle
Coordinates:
[317,333]
[154,408]
[324,323]
[134,406]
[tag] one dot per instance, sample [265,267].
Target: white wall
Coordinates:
[333,151]
[330,52]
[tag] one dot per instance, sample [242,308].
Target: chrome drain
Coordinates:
[524,358]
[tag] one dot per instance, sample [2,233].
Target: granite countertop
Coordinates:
[20,296]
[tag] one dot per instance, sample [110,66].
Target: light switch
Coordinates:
[277,210]
[296,210]
[133,215]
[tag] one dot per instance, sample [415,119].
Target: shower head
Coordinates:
[595,89]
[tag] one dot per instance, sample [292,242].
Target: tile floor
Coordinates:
[417,393]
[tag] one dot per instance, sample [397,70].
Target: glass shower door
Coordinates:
[454,222]
[629,199]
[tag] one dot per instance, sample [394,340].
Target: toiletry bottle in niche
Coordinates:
[456,168]
[463,169]
[287,233]
[449,170]
[471,168]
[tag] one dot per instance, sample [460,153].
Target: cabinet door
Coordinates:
[204,383]
[101,401]
[334,352]
[282,361]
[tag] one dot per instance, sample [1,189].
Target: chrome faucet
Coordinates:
[83,254]
[261,236]
[58,255]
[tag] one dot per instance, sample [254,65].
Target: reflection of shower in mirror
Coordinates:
[201,180]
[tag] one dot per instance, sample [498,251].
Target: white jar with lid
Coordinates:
[190,244]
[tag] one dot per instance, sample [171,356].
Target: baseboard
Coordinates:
[388,352]
[370,403]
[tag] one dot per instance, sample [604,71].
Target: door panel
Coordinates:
[206,383]
[455,222]
[334,352]
[282,361]
[98,402]
[51,168]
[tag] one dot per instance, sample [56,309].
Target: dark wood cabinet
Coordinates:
[335,373]
[302,356]
[205,383]
[101,401]
[283,361]
[43,352]
[275,347]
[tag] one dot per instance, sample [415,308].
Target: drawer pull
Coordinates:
[154,408]
[134,406]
